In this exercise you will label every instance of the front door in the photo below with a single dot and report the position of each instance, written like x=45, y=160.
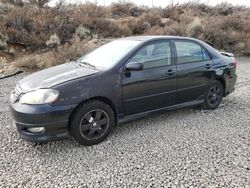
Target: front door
x=154, y=86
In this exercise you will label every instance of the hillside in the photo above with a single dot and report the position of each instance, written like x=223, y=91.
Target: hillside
x=34, y=36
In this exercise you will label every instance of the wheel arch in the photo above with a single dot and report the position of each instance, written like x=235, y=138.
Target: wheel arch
x=223, y=82
x=99, y=98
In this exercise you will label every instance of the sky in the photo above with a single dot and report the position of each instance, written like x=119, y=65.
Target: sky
x=160, y=3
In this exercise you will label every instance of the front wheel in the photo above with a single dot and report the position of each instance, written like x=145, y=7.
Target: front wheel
x=92, y=122
x=214, y=95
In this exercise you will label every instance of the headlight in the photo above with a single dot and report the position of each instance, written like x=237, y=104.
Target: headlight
x=40, y=96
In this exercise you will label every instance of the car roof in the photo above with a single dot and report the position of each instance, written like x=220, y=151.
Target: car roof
x=147, y=38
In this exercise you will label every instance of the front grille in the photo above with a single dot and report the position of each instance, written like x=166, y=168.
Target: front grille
x=16, y=93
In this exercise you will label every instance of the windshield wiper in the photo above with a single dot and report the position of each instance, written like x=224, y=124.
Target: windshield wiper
x=87, y=64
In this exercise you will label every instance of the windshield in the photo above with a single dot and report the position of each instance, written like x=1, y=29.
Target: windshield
x=109, y=54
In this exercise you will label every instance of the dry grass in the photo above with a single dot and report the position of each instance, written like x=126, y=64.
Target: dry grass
x=224, y=26
x=67, y=52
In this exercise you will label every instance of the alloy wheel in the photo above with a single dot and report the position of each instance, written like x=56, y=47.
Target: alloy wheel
x=214, y=95
x=94, y=124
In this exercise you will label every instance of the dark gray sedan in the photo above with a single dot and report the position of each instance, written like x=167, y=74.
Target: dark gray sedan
x=123, y=80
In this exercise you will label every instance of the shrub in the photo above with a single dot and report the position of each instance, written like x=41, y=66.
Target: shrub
x=246, y=51
x=5, y=7
x=230, y=22
x=144, y=22
x=135, y=11
x=18, y=20
x=54, y=41
x=194, y=29
x=222, y=39
x=14, y=2
x=224, y=9
x=83, y=33
x=91, y=10
x=108, y=28
x=3, y=43
x=34, y=26
x=65, y=53
x=30, y=63
x=121, y=9
x=39, y=3
x=173, y=12
x=176, y=29
x=138, y=26
x=30, y=41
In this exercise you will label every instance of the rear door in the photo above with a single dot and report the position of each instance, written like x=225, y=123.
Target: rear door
x=194, y=67
x=153, y=87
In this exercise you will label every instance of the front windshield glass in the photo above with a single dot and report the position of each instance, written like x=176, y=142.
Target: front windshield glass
x=109, y=54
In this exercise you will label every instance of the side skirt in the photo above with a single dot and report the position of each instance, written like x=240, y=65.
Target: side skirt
x=124, y=119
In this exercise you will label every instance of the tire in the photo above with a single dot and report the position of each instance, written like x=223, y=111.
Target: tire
x=214, y=95
x=92, y=122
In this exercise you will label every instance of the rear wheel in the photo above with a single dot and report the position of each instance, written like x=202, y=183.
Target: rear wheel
x=214, y=95
x=92, y=122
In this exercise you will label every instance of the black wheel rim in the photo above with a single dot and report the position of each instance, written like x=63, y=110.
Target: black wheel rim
x=214, y=95
x=94, y=124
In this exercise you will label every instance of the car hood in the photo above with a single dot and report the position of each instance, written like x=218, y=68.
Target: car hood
x=55, y=75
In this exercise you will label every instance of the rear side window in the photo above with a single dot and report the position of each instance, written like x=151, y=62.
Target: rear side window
x=206, y=56
x=154, y=55
x=190, y=52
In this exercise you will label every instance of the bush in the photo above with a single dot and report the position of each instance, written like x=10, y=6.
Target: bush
x=3, y=43
x=220, y=38
x=31, y=41
x=224, y=9
x=144, y=22
x=30, y=63
x=121, y=9
x=18, y=20
x=108, y=28
x=194, y=29
x=135, y=11
x=14, y=2
x=246, y=48
x=54, y=41
x=83, y=33
x=5, y=7
x=40, y=3
x=172, y=12
x=65, y=53
x=33, y=27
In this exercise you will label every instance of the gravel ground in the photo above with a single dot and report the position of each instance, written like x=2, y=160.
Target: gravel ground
x=183, y=148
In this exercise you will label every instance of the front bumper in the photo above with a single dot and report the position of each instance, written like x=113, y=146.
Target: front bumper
x=53, y=118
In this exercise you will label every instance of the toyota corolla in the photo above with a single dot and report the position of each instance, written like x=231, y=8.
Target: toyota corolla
x=123, y=80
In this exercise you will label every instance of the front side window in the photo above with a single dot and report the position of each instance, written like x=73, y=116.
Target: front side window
x=154, y=55
x=190, y=52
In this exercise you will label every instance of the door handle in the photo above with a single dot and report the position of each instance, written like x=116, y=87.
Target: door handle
x=170, y=72
x=208, y=66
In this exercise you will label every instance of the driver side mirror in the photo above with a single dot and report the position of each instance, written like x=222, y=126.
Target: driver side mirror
x=134, y=66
